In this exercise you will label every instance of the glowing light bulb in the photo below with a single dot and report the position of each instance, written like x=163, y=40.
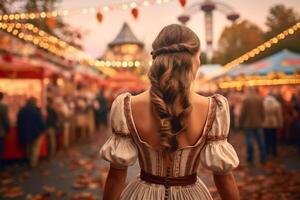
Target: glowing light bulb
x=15, y=32
x=137, y=63
x=133, y=5
x=274, y=40
x=107, y=63
x=31, y=15
x=54, y=14
x=125, y=6
x=65, y=12
x=11, y=17
x=21, y=35
x=35, y=30
x=118, y=64
x=36, y=41
x=281, y=36
x=18, y=25
x=124, y=64
x=84, y=11
x=105, y=8
x=291, y=31
x=30, y=26
x=267, y=44
x=262, y=47
x=43, y=14
x=41, y=33
x=17, y=16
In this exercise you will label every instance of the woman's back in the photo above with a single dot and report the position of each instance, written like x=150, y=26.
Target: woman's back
x=169, y=129
x=147, y=124
x=209, y=147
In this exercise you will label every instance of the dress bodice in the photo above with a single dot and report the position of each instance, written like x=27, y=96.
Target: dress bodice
x=212, y=150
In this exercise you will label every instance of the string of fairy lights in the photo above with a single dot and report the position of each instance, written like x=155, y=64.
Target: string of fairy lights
x=250, y=54
x=76, y=11
x=268, y=44
x=13, y=24
x=30, y=33
x=294, y=79
x=260, y=82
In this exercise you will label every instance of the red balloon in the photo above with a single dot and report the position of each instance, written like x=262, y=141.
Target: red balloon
x=182, y=2
x=99, y=17
x=135, y=13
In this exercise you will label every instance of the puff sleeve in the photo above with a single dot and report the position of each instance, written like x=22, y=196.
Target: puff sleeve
x=119, y=149
x=218, y=154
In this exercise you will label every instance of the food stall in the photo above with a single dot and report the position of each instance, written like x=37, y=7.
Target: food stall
x=21, y=78
x=279, y=69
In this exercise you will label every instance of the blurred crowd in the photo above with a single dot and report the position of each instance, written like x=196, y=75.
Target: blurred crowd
x=64, y=119
x=267, y=117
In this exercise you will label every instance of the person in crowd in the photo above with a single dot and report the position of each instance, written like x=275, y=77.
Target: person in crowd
x=251, y=121
x=31, y=125
x=273, y=121
x=72, y=118
x=4, y=127
x=289, y=120
x=102, y=112
x=170, y=129
x=63, y=114
x=81, y=117
x=231, y=101
x=90, y=117
x=52, y=124
x=297, y=124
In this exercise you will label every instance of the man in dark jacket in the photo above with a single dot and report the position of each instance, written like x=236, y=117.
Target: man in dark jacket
x=101, y=112
x=4, y=127
x=30, y=127
x=251, y=120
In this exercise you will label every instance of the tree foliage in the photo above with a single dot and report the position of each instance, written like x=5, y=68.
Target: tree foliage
x=244, y=36
x=279, y=19
x=236, y=40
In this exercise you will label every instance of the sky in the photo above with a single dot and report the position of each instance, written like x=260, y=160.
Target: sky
x=153, y=18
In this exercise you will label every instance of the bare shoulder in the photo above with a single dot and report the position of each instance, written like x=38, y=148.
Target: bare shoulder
x=200, y=100
x=140, y=101
x=142, y=97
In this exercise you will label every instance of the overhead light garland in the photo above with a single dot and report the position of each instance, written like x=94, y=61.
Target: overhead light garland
x=30, y=33
x=295, y=79
x=257, y=50
x=260, y=82
x=268, y=44
x=66, y=12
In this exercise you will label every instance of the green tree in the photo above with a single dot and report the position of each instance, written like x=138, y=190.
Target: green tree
x=279, y=19
x=236, y=40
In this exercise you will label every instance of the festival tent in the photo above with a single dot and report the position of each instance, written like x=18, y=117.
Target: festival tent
x=127, y=81
x=26, y=68
x=209, y=71
x=238, y=70
x=285, y=61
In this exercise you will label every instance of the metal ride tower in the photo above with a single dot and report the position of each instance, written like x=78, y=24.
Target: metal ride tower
x=208, y=7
